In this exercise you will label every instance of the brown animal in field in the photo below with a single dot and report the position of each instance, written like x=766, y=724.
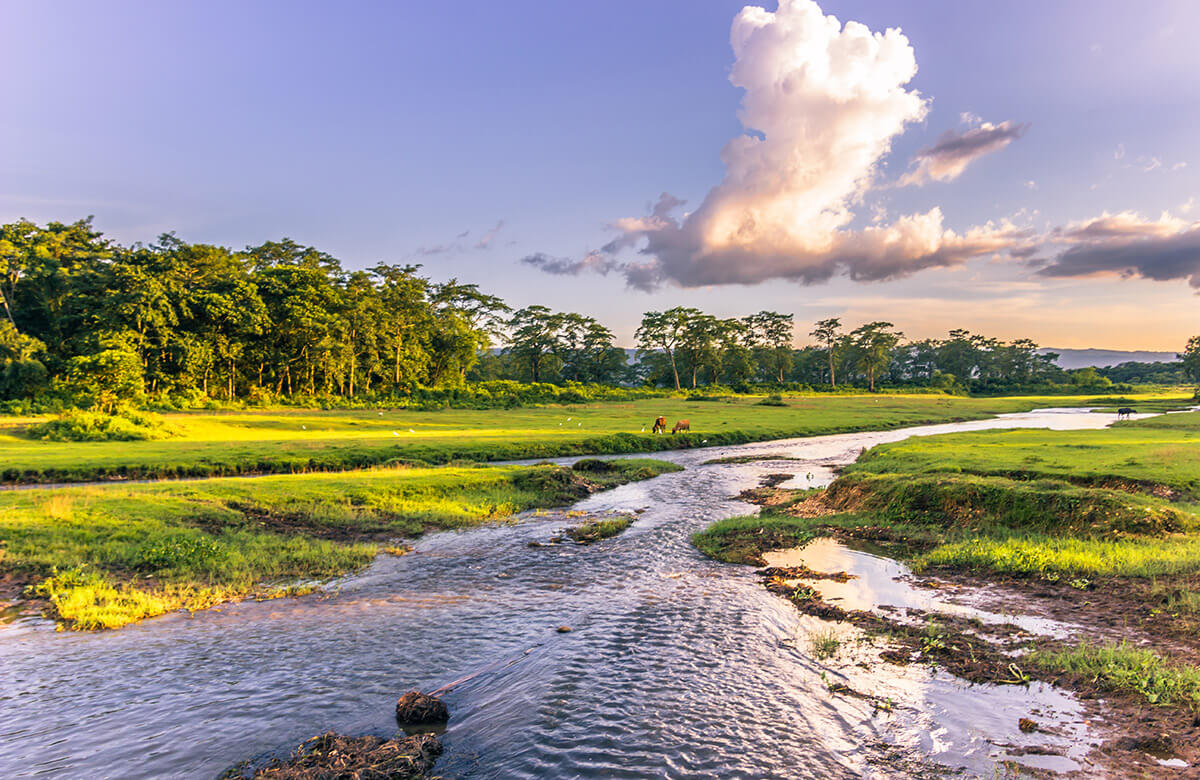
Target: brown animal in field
x=660, y=425
x=1124, y=412
x=682, y=425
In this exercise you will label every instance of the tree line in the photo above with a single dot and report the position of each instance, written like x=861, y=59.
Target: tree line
x=90, y=319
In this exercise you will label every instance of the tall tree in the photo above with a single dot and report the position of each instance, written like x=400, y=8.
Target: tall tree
x=534, y=335
x=873, y=345
x=662, y=331
x=829, y=332
x=1191, y=359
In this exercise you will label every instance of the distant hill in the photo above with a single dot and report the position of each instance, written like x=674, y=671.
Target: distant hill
x=1100, y=358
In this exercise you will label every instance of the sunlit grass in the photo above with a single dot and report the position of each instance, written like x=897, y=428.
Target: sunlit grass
x=1161, y=450
x=105, y=556
x=297, y=440
x=1047, y=555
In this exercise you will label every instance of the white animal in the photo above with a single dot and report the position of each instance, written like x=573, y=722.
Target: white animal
x=395, y=434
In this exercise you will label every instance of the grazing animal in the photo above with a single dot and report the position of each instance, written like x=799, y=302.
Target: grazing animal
x=1124, y=412
x=660, y=425
x=682, y=425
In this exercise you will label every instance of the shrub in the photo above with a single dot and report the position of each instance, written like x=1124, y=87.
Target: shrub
x=78, y=425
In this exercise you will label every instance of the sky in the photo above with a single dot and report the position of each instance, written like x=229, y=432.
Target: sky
x=1019, y=169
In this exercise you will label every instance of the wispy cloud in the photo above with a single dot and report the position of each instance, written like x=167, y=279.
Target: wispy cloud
x=954, y=151
x=486, y=241
x=565, y=266
x=456, y=246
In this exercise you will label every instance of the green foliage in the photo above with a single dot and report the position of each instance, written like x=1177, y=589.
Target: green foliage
x=1191, y=359
x=123, y=425
x=1123, y=668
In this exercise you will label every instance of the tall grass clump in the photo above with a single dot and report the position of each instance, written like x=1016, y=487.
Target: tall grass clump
x=80, y=425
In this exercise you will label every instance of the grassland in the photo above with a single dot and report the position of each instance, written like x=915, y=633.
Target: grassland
x=295, y=441
x=105, y=556
x=1116, y=502
x=1100, y=528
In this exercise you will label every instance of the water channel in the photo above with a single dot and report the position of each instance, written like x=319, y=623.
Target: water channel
x=677, y=666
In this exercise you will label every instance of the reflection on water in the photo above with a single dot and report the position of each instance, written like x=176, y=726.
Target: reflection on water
x=677, y=666
x=877, y=581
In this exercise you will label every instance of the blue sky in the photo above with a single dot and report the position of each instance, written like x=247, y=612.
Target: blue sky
x=387, y=131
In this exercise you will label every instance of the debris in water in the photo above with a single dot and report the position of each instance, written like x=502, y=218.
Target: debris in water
x=416, y=708
x=1027, y=725
x=564, y=629
x=363, y=758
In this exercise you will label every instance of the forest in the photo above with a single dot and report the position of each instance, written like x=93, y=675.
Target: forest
x=89, y=322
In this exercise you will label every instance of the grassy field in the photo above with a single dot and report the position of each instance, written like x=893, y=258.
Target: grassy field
x=1116, y=502
x=1102, y=525
x=106, y=556
x=288, y=441
x=1156, y=451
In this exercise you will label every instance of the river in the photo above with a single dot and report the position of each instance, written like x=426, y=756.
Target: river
x=677, y=666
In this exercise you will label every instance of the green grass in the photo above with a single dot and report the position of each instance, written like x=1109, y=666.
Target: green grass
x=1157, y=451
x=1051, y=557
x=105, y=556
x=825, y=644
x=743, y=539
x=1052, y=504
x=1126, y=669
x=596, y=530
x=287, y=441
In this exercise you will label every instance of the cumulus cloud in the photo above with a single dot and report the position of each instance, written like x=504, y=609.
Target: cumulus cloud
x=822, y=104
x=1128, y=245
x=954, y=151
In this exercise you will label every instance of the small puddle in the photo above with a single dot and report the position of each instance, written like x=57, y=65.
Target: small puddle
x=878, y=582
x=957, y=723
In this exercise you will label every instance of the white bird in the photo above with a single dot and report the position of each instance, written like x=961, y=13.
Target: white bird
x=643, y=429
x=381, y=414
x=410, y=430
x=395, y=434
x=580, y=425
x=304, y=427
x=568, y=419
x=704, y=442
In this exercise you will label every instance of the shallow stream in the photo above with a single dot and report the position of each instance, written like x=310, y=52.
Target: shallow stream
x=677, y=666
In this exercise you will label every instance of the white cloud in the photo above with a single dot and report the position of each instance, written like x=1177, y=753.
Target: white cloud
x=822, y=104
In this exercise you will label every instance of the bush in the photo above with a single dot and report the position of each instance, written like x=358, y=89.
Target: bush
x=78, y=425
